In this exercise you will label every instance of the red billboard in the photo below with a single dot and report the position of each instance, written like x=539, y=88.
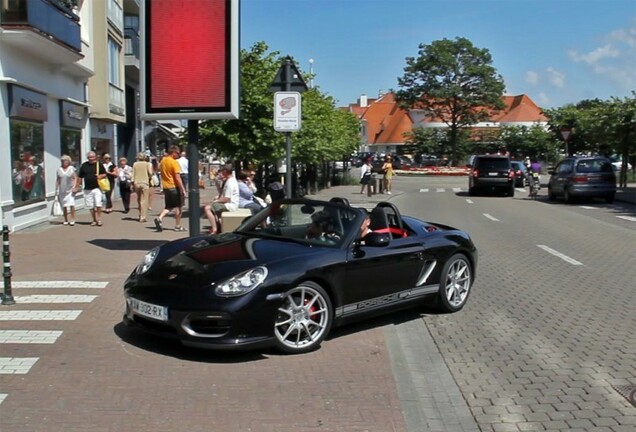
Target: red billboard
x=189, y=59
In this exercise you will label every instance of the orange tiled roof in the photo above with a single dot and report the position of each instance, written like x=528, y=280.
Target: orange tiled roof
x=386, y=122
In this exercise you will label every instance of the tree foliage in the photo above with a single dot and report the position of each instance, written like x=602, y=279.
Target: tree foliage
x=452, y=81
x=326, y=133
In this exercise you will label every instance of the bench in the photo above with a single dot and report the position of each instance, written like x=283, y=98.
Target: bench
x=230, y=220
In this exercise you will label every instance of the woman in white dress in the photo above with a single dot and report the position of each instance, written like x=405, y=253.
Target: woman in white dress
x=66, y=176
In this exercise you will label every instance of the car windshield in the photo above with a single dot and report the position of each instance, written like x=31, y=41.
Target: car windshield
x=310, y=222
x=593, y=166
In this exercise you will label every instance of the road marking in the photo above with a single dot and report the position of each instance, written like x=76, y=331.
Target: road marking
x=587, y=207
x=469, y=201
x=16, y=365
x=560, y=255
x=629, y=218
x=58, y=284
x=423, y=190
x=457, y=190
x=441, y=190
x=39, y=315
x=492, y=218
x=520, y=189
x=45, y=298
x=29, y=336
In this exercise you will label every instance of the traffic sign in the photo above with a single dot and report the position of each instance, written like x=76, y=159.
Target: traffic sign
x=288, y=79
x=565, y=133
x=287, y=111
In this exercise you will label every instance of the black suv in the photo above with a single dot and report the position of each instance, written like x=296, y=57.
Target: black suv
x=490, y=172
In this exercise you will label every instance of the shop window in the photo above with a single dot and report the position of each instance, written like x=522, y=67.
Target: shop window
x=27, y=151
x=71, y=145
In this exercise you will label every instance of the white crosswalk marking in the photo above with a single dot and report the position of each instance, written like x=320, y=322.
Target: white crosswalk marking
x=441, y=190
x=45, y=298
x=492, y=218
x=29, y=336
x=58, y=284
x=469, y=201
x=16, y=365
x=629, y=218
x=39, y=315
x=456, y=190
x=22, y=365
x=423, y=190
x=587, y=207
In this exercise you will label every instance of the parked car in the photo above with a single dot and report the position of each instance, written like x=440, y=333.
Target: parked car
x=521, y=173
x=617, y=164
x=272, y=283
x=489, y=173
x=399, y=162
x=583, y=177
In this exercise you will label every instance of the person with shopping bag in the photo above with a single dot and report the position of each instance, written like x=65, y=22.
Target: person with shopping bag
x=92, y=172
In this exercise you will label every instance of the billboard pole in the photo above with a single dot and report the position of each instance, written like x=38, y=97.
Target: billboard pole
x=194, y=207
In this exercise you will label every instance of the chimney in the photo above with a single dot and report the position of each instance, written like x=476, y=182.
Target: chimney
x=362, y=101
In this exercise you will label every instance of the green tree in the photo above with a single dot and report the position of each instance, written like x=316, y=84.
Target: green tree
x=454, y=82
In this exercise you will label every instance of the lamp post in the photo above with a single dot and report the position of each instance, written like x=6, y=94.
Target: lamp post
x=311, y=73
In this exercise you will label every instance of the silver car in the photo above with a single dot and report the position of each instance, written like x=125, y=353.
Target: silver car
x=583, y=177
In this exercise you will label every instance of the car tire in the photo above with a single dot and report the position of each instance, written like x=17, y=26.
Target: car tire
x=609, y=198
x=472, y=191
x=304, y=319
x=567, y=197
x=511, y=191
x=551, y=195
x=455, y=283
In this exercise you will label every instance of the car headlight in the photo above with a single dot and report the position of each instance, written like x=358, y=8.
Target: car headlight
x=147, y=261
x=242, y=283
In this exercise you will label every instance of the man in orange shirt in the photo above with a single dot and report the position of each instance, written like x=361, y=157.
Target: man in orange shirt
x=173, y=190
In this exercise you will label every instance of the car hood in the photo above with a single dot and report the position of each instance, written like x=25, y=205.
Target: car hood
x=204, y=258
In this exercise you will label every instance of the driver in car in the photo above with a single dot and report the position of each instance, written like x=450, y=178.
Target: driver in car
x=322, y=228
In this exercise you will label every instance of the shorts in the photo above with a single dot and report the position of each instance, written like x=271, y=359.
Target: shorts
x=172, y=198
x=218, y=208
x=93, y=198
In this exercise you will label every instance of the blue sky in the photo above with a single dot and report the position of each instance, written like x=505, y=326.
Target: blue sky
x=555, y=51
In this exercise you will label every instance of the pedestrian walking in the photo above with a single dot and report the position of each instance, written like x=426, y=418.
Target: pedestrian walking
x=64, y=187
x=141, y=175
x=365, y=176
x=388, y=173
x=173, y=190
x=124, y=177
x=90, y=172
x=111, y=175
x=183, y=166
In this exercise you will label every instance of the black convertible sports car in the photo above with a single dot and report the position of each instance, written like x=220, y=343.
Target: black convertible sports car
x=292, y=272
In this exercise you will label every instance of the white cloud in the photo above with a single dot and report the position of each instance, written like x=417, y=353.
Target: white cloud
x=532, y=77
x=594, y=56
x=555, y=77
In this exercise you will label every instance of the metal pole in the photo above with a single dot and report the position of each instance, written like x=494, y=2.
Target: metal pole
x=288, y=172
x=193, y=177
x=7, y=297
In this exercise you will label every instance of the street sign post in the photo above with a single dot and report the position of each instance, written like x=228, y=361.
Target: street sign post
x=566, y=133
x=288, y=80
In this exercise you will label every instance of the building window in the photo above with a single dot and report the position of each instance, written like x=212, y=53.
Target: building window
x=114, y=66
x=71, y=145
x=27, y=150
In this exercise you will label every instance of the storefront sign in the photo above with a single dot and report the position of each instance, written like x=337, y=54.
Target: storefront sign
x=72, y=115
x=101, y=130
x=27, y=104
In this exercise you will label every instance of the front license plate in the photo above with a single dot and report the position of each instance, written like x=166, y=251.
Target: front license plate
x=148, y=309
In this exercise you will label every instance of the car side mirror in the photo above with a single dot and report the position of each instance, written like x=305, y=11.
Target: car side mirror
x=376, y=239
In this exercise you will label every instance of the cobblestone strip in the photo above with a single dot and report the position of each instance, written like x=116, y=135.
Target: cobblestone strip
x=29, y=336
x=58, y=284
x=45, y=298
x=39, y=315
x=430, y=398
x=16, y=365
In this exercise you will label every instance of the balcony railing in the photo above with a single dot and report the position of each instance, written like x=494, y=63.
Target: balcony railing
x=116, y=100
x=131, y=43
x=47, y=16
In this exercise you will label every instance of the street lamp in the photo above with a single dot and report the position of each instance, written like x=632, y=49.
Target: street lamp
x=311, y=73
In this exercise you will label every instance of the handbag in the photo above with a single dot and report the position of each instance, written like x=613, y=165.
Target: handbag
x=57, y=207
x=103, y=183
